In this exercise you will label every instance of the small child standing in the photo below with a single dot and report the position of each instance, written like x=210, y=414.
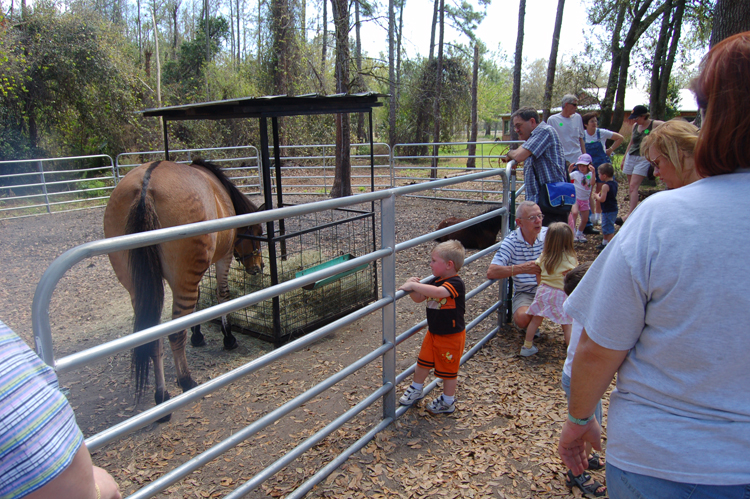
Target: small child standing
x=582, y=178
x=557, y=258
x=608, y=198
x=583, y=481
x=445, y=338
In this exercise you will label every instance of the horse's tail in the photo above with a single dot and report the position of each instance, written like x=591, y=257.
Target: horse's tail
x=146, y=277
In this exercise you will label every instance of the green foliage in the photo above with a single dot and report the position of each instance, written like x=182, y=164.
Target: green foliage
x=68, y=92
x=186, y=72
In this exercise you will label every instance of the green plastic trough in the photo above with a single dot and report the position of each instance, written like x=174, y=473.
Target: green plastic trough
x=325, y=265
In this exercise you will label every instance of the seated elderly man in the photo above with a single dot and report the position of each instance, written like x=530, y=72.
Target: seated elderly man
x=516, y=257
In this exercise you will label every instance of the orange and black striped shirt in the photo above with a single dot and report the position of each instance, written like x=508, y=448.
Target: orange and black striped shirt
x=446, y=316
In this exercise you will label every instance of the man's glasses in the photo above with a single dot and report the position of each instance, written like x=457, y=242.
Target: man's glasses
x=534, y=217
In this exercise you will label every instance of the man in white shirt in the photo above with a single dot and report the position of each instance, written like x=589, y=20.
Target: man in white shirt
x=517, y=258
x=569, y=127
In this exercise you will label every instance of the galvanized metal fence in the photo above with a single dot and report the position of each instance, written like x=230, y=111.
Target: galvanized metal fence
x=386, y=304
x=36, y=186
x=40, y=186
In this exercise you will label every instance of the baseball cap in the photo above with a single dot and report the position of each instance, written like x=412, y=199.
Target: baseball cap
x=638, y=111
x=584, y=159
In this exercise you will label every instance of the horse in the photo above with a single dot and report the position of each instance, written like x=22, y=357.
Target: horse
x=165, y=194
x=479, y=236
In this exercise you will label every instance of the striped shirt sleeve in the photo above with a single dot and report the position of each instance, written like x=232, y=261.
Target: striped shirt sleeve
x=38, y=433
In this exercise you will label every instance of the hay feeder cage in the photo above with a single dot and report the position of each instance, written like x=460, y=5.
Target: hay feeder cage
x=300, y=245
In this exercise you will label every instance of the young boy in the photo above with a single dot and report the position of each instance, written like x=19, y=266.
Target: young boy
x=584, y=480
x=444, y=340
x=608, y=198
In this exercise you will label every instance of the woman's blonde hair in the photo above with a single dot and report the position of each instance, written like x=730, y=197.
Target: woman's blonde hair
x=557, y=243
x=676, y=140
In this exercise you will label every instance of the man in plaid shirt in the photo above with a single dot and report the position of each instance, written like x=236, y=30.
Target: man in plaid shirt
x=542, y=154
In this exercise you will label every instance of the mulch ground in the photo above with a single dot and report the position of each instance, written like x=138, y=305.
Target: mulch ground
x=500, y=442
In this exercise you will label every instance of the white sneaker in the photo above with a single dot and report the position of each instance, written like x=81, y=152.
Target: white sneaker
x=410, y=396
x=528, y=352
x=580, y=238
x=439, y=406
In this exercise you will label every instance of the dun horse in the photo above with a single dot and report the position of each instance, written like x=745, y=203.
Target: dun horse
x=479, y=236
x=164, y=194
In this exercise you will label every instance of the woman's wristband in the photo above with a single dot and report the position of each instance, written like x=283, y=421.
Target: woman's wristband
x=580, y=422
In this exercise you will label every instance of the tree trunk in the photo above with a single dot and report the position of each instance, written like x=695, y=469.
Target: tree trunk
x=391, y=76
x=471, y=162
x=281, y=57
x=432, y=31
x=239, y=42
x=669, y=63
x=360, y=80
x=438, y=91
x=637, y=27
x=515, y=99
x=325, y=40
x=342, y=182
x=398, y=48
x=605, y=118
x=552, y=60
x=657, y=104
x=730, y=17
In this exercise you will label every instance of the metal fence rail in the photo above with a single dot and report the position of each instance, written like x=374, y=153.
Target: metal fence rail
x=35, y=186
x=386, y=351
x=306, y=170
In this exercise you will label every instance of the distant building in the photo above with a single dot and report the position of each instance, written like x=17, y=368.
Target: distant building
x=589, y=99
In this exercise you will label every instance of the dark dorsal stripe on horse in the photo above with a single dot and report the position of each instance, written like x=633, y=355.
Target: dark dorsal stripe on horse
x=242, y=205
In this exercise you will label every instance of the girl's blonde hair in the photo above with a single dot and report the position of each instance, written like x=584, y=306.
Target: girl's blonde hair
x=557, y=243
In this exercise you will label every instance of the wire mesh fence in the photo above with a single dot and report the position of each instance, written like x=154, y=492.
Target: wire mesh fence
x=304, y=244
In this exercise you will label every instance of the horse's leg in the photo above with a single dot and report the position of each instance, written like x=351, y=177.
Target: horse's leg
x=222, y=293
x=197, y=339
x=178, y=342
x=160, y=393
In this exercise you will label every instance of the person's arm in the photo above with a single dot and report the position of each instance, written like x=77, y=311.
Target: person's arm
x=518, y=154
x=426, y=290
x=409, y=287
x=79, y=481
x=617, y=141
x=501, y=271
x=583, y=145
x=601, y=196
x=593, y=369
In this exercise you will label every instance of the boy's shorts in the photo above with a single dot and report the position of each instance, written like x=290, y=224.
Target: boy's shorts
x=583, y=204
x=442, y=352
x=608, y=222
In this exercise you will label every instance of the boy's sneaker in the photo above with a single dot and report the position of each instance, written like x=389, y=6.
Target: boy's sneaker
x=601, y=247
x=528, y=352
x=410, y=396
x=439, y=406
x=580, y=238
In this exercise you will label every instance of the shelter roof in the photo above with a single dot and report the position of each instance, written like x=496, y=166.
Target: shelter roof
x=270, y=105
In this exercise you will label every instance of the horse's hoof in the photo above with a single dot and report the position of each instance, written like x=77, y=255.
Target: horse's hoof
x=198, y=342
x=230, y=343
x=187, y=384
x=165, y=419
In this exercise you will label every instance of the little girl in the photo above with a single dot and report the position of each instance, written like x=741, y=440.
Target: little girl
x=582, y=178
x=558, y=257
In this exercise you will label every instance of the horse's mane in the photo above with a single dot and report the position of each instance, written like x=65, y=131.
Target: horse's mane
x=241, y=203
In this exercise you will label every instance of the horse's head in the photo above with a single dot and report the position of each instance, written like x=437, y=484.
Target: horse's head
x=247, y=251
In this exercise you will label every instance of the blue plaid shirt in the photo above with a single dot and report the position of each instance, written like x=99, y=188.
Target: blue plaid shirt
x=546, y=163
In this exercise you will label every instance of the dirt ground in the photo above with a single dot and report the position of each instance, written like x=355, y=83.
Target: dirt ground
x=499, y=443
